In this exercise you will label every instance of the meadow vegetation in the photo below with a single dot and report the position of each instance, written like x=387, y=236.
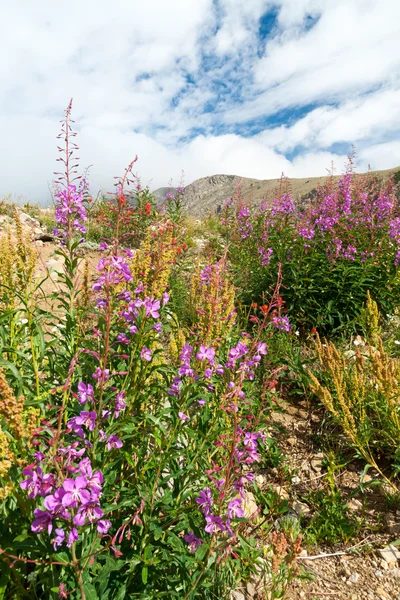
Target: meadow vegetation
x=135, y=404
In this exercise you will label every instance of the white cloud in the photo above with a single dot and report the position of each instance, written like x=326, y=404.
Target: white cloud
x=146, y=75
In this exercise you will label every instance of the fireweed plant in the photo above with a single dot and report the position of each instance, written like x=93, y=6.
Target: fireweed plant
x=332, y=250
x=134, y=479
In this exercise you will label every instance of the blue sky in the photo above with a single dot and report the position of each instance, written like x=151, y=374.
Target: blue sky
x=252, y=88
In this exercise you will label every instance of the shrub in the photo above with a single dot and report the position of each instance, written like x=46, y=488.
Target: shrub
x=331, y=252
x=361, y=391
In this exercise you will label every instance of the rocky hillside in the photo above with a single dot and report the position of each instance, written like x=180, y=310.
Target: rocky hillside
x=206, y=194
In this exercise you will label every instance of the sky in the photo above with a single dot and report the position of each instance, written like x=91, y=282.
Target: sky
x=246, y=87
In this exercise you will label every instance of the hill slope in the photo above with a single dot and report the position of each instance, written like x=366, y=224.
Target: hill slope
x=207, y=193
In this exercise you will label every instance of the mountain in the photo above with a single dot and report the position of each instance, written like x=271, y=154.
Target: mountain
x=208, y=193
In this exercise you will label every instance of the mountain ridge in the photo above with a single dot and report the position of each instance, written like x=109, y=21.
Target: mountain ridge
x=208, y=193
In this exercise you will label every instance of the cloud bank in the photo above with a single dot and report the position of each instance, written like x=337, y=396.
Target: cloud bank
x=209, y=86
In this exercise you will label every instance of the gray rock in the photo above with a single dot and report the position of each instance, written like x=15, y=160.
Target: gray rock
x=236, y=595
x=390, y=554
x=301, y=508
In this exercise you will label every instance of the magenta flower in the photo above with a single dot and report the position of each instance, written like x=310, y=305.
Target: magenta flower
x=165, y=298
x=76, y=492
x=89, y=512
x=214, y=524
x=183, y=416
x=152, y=307
x=193, y=541
x=281, y=323
x=37, y=483
x=205, y=353
x=114, y=442
x=101, y=374
x=59, y=539
x=119, y=404
x=85, y=393
x=204, y=500
x=235, y=508
x=103, y=526
x=53, y=502
x=72, y=537
x=146, y=354
x=42, y=521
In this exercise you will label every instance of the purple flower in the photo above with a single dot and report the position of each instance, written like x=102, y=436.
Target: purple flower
x=119, y=404
x=94, y=480
x=53, y=502
x=101, y=374
x=85, y=393
x=204, y=500
x=235, y=508
x=43, y=521
x=59, y=539
x=202, y=402
x=72, y=537
x=157, y=327
x=146, y=354
x=183, y=417
x=84, y=419
x=76, y=492
x=262, y=348
x=37, y=483
x=206, y=354
x=193, y=541
x=114, y=442
x=165, y=298
x=89, y=512
x=152, y=307
x=214, y=524
x=103, y=526
x=281, y=323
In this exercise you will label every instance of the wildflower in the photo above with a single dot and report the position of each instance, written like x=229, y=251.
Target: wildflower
x=206, y=354
x=204, y=500
x=165, y=298
x=152, y=308
x=42, y=521
x=193, y=541
x=53, y=502
x=85, y=393
x=146, y=354
x=76, y=492
x=183, y=416
x=72, y=537
x=101, y=374
x=235, y=508
x=281, y=323
x=103, y=526
x=59, y=539
x=89, y=512
x=214, y=524
x=114, y=442
x=119, y=404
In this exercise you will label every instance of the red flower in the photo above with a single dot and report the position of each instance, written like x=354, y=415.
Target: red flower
x=147, y=208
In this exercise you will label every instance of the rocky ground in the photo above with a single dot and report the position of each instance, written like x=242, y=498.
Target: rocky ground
x=365, y=567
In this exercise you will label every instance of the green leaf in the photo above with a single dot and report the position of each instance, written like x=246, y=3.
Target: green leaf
x=145, y=574
x=90, y=591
